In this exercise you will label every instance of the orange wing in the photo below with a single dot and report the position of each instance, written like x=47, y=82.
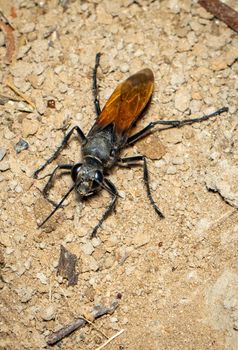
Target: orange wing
x=127, y=102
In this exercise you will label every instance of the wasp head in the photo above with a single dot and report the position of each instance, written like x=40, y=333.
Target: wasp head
x=88, y=177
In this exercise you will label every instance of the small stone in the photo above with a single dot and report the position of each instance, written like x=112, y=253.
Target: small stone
x=102, y=16
x=48, y=313
x=40, y=105
x=27, y=28
x=29, y=127
x=63, y=88
x=182, y=99
x=174, y=6
x=141, y=239
x=223, y=61
x=87, y=248
x=74, y=59
x=21, y=145
x=21, y=69
x=178, y=161
x=4, y=166
x=25, y=293
x=23, y=51
x=90, y=264
x=5, y=239
x=96, y=242
x=124, y=68
x=8, y=134
x=9, y=251
x=3, y=151
x=42, y=277
x=171, y=170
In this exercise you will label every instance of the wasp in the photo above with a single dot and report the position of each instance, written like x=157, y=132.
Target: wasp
x=110, y=133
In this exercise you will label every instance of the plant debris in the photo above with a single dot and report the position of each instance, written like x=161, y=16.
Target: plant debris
x=96, y=312
x=67, y=266
x=222, y=11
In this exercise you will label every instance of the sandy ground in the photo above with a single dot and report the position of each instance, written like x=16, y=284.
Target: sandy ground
x=177, y=277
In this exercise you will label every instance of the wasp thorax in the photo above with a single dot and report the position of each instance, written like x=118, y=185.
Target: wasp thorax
x=88, y=177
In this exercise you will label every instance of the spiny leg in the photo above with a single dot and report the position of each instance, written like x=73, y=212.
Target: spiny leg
x=49, y=183
x=110, y=187
x=134, y=159
x=173, y=124
x=95, y=85
x=58, y=206
x=60, y=148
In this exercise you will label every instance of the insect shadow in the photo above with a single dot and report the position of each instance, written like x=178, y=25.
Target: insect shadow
x=110, y=133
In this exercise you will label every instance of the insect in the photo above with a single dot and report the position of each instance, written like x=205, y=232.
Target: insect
x=110, y=133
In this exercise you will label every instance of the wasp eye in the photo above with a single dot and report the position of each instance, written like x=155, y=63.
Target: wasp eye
x=75, y=171
x=98, y=176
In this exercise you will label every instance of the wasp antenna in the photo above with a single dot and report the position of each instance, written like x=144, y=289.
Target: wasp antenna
x=57, y=207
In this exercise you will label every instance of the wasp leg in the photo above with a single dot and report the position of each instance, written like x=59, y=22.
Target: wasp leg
x=49, y=183
x=172, y=124
x=134, y=159
x=110, y=187
x=57, y=206
x=59, y=149
x=95, y=85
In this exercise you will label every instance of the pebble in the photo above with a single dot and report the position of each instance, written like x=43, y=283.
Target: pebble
x=8, y=135
x=87, y=248
x=48, y=313
x=182, y=99
x=74, y=59
x=177, y=79
x=40, y=105
x=3, y=152
x=42, y=277
x=223, y=61
x=27, y=28
x=21, y=145
x=124, y=68
x=9, y=250
x=141, y=238
x=177, y=161
x=92, y=264
x=96, y=242
x=23, y=51
x=25, y=293
x=5, y=239
x=63, y=88
x=4, y=166
x=171, y=170
x=29, y=127
x=21, y=69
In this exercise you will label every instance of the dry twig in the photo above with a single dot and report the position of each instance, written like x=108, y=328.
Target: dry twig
x=19, y=93
x=222, y=11
x=97, y=312
x=10, y=41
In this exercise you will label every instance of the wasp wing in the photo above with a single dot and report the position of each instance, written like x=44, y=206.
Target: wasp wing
x=126, y=102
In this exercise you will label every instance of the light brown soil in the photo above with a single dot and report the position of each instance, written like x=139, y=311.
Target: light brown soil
x=177, y=276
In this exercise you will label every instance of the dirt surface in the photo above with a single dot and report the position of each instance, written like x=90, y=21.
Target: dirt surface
x=175, y=279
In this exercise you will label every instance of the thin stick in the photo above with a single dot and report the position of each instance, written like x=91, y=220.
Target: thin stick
x=97, y=312
x=19, y=93
x=10, y=41
x=222, y=11
x=110, y=339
